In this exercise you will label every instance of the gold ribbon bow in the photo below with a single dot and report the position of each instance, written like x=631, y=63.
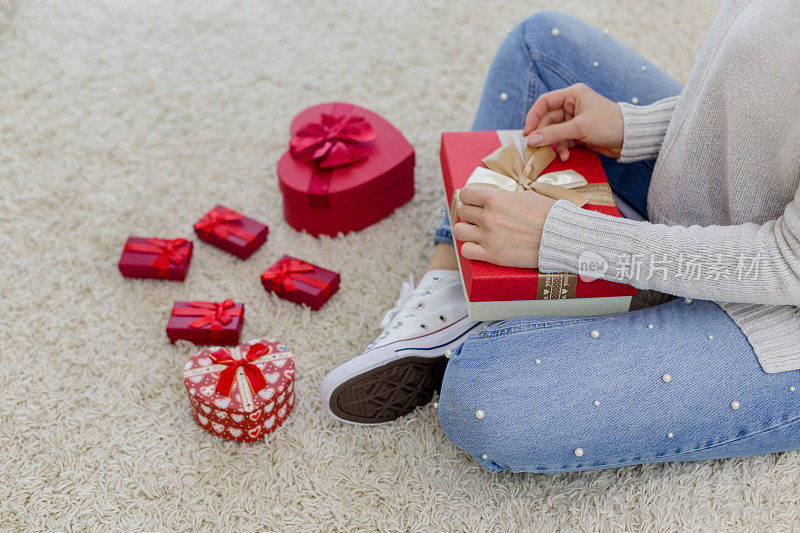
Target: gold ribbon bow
x=515, y=166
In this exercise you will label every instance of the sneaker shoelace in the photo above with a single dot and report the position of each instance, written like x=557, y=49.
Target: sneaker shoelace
x=407, y=293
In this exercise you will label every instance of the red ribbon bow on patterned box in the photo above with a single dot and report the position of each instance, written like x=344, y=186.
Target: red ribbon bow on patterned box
x=285, y=272
x=217, y=314
x=222, y=224
x=254, y=375
x=168, y=250
x=334, y=141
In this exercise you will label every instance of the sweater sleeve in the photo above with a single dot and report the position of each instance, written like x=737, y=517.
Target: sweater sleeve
x=645, y=128
x=748, y=263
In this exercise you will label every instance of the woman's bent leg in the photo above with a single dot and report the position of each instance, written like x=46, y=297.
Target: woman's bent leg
x=676, y=382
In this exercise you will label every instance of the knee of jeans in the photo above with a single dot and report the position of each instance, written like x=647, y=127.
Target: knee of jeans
x=469, y=397
x=483, y=411
x=537, y=29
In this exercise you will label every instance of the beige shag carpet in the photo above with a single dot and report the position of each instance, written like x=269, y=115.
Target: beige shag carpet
x=122, y=117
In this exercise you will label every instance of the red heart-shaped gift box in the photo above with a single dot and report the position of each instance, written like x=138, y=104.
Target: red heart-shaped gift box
x=347, y=168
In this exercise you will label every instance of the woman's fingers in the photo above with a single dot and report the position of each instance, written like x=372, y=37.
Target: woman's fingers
x=470, y=213
x=474, y=195
x=558, y=99
x=474, y=251
x=554, y=133
x=557, y=116
x=553, y=117
x=562, y=149
x=467, y=232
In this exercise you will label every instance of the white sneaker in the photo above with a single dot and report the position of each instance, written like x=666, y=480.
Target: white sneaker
x=402, y=368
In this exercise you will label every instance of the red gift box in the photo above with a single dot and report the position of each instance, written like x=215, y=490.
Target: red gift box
x=206, y=322
x=495, y=292
x=300, y=282
x=231, y=231
x=156, y=258
x=346, y=169
x=241, y=394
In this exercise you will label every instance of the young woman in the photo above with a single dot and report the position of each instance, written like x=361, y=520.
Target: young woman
x=713, y=168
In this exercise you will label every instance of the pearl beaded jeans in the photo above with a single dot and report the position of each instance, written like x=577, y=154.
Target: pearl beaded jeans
x=675, y=382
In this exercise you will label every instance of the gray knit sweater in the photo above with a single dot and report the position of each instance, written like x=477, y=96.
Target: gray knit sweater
x=724, y=205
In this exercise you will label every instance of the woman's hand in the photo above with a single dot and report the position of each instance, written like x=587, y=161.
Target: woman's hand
x=575, y=115
x=501, y=227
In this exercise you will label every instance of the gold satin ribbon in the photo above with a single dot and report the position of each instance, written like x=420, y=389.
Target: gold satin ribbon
x=515, y=166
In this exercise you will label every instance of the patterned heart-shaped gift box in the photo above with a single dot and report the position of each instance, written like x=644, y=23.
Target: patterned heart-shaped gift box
x=241, y=393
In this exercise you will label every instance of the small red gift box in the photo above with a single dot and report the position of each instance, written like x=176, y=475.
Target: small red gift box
x=300, y=282
x=206, y=322
x=231, y=231
x=346, y=169
x=156, y=258
x=241, y=394
x=495, y=292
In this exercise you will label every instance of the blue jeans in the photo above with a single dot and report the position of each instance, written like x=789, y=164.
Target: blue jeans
x=675, y=382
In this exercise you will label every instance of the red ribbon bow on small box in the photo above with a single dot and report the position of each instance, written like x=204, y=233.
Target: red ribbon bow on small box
x=333, y=142
x=217, y=314
x=168, y=250
x=221, y=223
x=254, y=375
x=286, y=271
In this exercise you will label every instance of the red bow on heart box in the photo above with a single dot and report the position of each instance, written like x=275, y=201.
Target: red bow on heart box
x=217, y=322
x=300, y=282
x=241, y=393
x=252, y=374
x=334, y=141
